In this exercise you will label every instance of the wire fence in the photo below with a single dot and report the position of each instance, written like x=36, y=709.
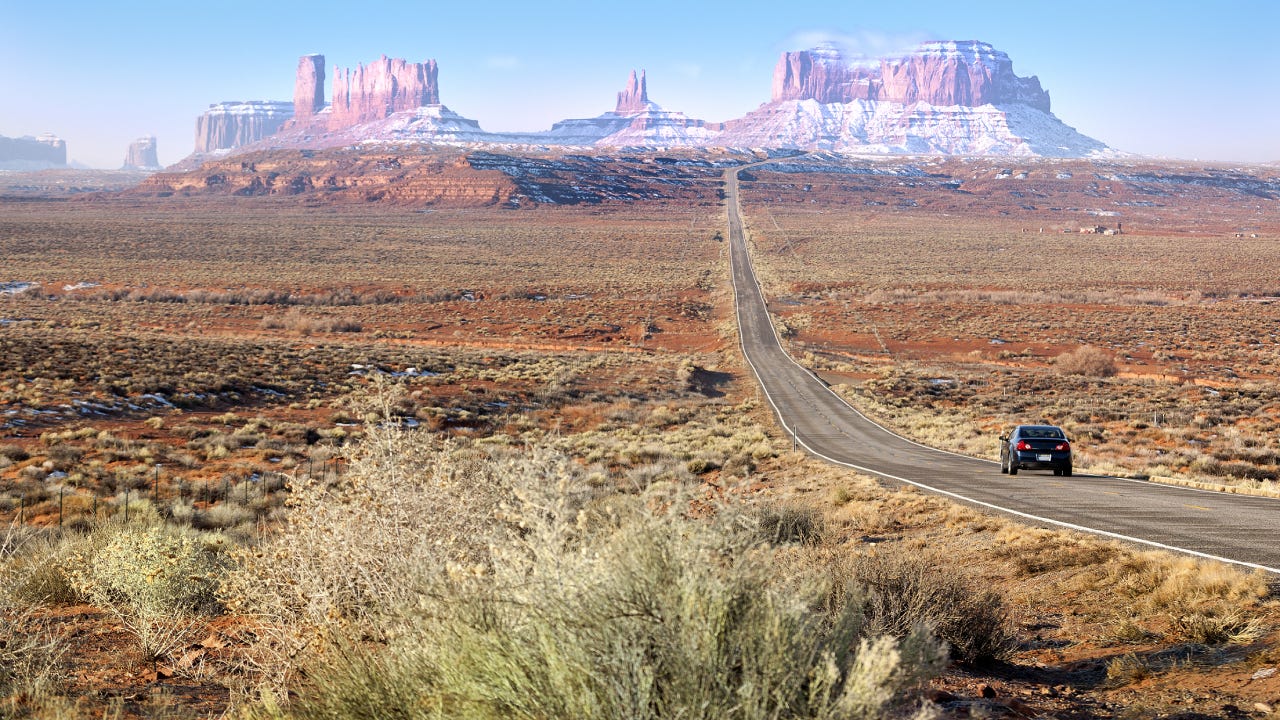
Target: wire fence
x=57, y=505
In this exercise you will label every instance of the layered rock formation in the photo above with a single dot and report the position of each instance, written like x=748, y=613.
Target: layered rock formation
x=228, y=125
x=968, y=73
x=308, y=88
x=385, y=86
x=635, y=121
x=27, y=152
x=948, y=98
x=942, y=98
x=635, y=97
x=141, y=155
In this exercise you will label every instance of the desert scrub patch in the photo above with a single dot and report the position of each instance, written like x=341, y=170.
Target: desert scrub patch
x=39, y=571
x=158, y=580
x=650, y=614
x=1036, y=551
x=1086, y=360
x=542, y=594
x=32, y=662
x=908, y=591
x=790, y=523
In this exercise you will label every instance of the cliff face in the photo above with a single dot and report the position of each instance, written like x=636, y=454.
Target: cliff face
x=954, y=97
x=966, y=73
x=45, y=150
x=385, y=86
x=231, y=124
x=141, y=155
x=308, y=87
x=635, y=98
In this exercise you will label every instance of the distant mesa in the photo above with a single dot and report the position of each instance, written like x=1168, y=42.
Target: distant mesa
x=142, y=155
x=235, y=123
x=943, y=98
x=968, y=73
x=33, y=153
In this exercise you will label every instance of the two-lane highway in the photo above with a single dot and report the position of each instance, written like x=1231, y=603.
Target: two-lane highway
x=1238, y=529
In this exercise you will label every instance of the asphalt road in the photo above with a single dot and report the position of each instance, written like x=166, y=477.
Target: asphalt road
x=1238, y=529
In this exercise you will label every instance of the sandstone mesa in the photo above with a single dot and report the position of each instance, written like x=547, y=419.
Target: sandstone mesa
x=945, y=97
x=142, y=155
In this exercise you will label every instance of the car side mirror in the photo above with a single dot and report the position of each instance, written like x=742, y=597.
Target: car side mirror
x=1004, y=438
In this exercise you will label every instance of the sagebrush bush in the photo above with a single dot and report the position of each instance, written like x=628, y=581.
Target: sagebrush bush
x=156, y=579
x=904, y=592
x=790, y=523
x=537, y=595
x=646, y=615
x=1086, y=360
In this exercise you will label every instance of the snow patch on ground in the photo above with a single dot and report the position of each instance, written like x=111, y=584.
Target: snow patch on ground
x=13, y=288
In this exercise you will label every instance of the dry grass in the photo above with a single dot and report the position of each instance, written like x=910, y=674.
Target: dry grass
x=928, y=298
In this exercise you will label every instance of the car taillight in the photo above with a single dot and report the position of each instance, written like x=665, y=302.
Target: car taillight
x=1062, y=446
x=1022, y=445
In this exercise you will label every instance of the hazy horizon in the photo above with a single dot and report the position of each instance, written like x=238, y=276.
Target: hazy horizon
x=1180, y=80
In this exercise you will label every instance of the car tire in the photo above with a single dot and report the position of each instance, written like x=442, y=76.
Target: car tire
x=1004, y=467
x=1013, y=467
x=1057, y=472
x=1066, y=471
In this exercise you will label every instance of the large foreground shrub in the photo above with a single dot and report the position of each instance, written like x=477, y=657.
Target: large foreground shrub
x=439, y=580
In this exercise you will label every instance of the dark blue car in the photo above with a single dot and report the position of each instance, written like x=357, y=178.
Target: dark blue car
x=1036, y=447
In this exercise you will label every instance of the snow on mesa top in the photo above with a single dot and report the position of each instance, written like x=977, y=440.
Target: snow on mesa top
x=969, y=73
x=942, y=98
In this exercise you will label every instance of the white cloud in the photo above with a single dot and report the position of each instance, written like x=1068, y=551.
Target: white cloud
x=860, y=44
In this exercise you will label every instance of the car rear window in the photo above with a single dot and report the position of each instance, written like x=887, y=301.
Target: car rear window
x=1042, y=432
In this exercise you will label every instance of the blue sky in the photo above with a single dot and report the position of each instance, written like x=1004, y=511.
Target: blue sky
x=1173, y=78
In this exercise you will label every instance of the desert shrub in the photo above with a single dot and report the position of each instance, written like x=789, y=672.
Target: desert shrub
x=651, y=615
x=39, y=574
x=536, y=595
x=1128, y=669
x=16, y=453
x=31, y=654
x=64, y=457
x=362, y=545
x=223, y=516
x=31, y=663
x=156, y=579
x=905, y=592
x=1086, y=360
x=1215, y=626
x=790, y=524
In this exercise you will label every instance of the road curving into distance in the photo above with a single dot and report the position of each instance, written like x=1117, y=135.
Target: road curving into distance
x=1238, y=529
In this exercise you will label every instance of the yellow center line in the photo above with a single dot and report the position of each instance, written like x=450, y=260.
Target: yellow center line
x=1108, y=492
x=1197, y=507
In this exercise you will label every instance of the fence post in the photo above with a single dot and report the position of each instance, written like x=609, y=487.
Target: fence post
x=60, y=492
x=126, y=505
x=22, y=509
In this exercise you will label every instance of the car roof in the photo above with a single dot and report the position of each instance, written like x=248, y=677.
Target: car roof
x=1040, y=430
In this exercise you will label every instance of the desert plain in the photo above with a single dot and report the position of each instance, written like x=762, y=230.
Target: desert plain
x=311, y=399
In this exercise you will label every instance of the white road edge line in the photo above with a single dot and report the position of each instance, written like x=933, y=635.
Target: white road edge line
x=737, y=311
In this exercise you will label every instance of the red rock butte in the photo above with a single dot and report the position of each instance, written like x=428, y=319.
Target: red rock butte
x=967, y=73
x=635, y=98
x=308, y=87
x=385, y=86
